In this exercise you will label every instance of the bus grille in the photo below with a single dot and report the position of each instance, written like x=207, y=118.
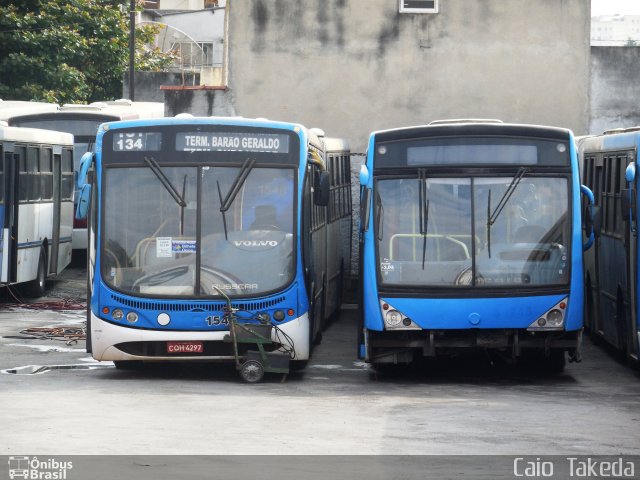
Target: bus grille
x=195, y=307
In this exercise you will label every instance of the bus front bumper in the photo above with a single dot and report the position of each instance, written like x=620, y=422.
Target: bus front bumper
x=401, y=346
x=114, y=342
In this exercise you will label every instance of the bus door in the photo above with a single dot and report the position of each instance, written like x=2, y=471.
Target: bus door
x=9, y=215
x=598, y=179
x=57, y=199
x=631, y=237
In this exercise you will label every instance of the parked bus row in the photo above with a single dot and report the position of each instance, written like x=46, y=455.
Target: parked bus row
x=229, y=239
x=470, y=237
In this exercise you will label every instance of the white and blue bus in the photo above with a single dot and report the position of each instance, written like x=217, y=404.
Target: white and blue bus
x=609, y=163
x=471, y=239
x=36, y=206
x=185, y=209
x=82, y=122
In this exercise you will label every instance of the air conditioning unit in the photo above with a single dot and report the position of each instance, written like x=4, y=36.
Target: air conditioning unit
x=418, y=6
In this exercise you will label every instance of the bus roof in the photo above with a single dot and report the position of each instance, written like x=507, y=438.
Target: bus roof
x=35, y=135
x=611, y=140
x=101, y=111
x=336, y=144
x=12, y=108
x=330, y=143
x=472, y=128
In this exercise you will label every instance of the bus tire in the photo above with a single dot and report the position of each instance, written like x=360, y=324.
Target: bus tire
x=36, y=287
x=298, y=365
x=627, y=346
x=555, y=362
x=127, y=364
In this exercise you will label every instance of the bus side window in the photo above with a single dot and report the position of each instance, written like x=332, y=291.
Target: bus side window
x=46, y=173
x=20, y=157
x=33, y=174
x=66, y=166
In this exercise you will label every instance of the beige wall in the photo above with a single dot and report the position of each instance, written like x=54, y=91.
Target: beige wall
x=354, y=66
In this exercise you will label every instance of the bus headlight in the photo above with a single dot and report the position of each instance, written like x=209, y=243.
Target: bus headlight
x=552, y=319
x=132, y=317
x=393, y=318
x=117, y=314
x=396, y=320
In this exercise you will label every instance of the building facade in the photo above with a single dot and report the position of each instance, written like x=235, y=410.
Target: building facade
x=354, y=66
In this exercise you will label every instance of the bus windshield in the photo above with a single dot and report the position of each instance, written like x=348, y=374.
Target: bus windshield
x=165, y=234
x=502, y=231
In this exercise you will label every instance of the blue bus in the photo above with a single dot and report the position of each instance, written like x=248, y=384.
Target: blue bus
x=609, y=163
x=471, y=239
x=187, y=211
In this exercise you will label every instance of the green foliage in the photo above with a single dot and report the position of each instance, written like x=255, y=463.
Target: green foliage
x=69, y=50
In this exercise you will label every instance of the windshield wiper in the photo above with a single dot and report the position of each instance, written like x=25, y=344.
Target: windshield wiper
x=492, y=217
x=166, y=183
x=237, y=184
x=224, y=212
x=424, y=212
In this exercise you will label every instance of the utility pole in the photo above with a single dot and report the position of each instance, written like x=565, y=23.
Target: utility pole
x=132, y=48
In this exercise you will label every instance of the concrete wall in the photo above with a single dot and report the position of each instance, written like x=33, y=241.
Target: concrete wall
x=147, y=84
x=615, y=88
x=200, y=103
x=353, y=66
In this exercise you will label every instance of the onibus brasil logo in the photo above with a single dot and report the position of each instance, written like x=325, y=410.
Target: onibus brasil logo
x=33, y=468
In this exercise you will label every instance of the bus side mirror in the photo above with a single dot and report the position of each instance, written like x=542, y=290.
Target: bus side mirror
x=589, y=217
x=365, y=208
x=321, y=189
x=85, y=164
x=83, y=202
x=364, y=175
x=630, y=172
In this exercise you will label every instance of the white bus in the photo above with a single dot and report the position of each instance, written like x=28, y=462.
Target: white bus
x=12, y=108
x=36, y=206
x=82, y=121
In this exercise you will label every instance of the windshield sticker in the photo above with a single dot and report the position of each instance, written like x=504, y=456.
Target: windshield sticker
x=183, y=246
x=163, y=247
x=386, y=266
x=235, y=286
x=230, y=142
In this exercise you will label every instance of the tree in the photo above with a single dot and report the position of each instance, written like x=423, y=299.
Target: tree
x=69, y=50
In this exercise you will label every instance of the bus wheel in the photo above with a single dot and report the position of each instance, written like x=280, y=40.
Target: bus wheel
x=555, y=362
x=626, y=336
x=36, y=287
x=252, y=371
x=127, y=364
x=298, y=365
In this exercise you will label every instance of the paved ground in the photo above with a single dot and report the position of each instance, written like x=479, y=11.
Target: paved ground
x=337, y=406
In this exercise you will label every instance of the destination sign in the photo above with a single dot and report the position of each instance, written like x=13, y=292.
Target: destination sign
x=137, y=141
x=232, y=142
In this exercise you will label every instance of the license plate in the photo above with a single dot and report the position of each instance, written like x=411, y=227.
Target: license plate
x=184, y=347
